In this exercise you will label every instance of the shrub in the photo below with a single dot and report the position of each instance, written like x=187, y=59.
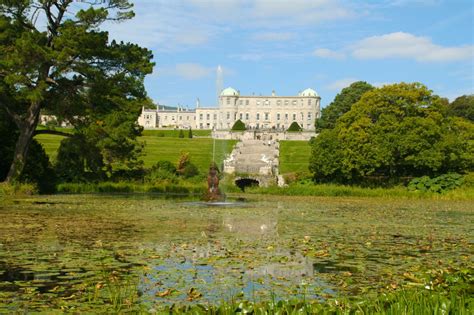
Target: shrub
x=18, y=189
x=239, y=126
x=294, y=127
x=162, y=170
x=190, y=133
x=181, y=133
x=438, y=184
x=185, y=168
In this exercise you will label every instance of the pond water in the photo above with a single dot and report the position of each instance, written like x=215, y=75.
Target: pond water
x=74, y=252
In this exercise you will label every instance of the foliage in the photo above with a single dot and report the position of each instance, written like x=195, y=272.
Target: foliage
x=79, y=161
x=395, y=131
x=294, y=127
x=463, y=106
x=185, y=168
x=438, y=184
x=239, y=125
x=341, y=104
x=190, y=133
x=162, y=170
x=181, y=133
x=17, y=189
x=71, y=69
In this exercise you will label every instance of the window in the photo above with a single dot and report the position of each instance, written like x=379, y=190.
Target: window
x=246, y=102
x=241, y=116
x=286, y=102
x=258, y=116
x=309, y=101
x=228, y=115
x=241, y=102
x=200, y=116
x=180, y=117
x=247, y=116
x=309, y=115
x=266, y=116
x=279, y=102
x=258, y=103
x=208, y=116
x=228, y=100
x=294, y=102
x=267, y=102
x=278, y=116
x=215, y=116
x=286, y=116
x=294, y=116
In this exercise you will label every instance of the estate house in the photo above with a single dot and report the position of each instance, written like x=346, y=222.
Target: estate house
x=256, y=112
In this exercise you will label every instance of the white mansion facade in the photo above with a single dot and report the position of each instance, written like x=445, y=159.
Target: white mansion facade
x=257, y=112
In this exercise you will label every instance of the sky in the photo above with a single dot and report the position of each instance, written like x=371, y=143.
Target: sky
x=290, y=45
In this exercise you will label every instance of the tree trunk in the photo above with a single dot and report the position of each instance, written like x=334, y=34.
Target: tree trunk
x=27, y=131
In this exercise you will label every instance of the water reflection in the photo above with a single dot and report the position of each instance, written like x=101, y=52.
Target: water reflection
x=244, y=227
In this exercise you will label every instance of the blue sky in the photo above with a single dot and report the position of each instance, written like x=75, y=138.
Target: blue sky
x=287, y=46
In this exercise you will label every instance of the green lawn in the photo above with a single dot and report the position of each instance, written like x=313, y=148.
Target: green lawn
x=50, y=144
x=199, y=149
x=159, y=148
x=165, y=145
x=294, y=156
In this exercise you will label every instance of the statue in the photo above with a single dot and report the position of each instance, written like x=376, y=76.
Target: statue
x=213, y=192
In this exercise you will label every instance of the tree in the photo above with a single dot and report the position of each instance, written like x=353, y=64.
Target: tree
x=463, y=106
x=190, y=133
x=342, y=104
x=239, y=126
x=394, y=131
x=294, y=127
x=70, y=69
x=184, y=167
x=181, y=133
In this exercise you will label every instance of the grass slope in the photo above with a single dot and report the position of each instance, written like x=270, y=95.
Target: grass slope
x=294, y=156
x=165, y=146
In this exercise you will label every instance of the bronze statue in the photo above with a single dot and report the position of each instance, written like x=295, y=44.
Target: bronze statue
x=213, y=192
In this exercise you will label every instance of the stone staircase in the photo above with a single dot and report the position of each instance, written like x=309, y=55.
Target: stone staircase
x=253, y=157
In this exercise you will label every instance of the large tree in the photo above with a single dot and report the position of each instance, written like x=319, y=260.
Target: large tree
x=341, y=104
x=54, y=57
x=463, y=106
x=394, y=131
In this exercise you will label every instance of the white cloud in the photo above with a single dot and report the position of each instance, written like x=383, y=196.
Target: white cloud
x=406, y=45
x=273, y=36
x=329, y=54
x=192, y=71
x=340, y=84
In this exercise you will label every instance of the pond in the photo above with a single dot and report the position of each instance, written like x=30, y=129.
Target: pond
x=79, y=252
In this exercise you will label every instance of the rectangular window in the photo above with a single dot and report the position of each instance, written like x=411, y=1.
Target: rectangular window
x=258, y=103
x=228, y=100
x=309, y=101
x=215, y=116
x=228, y=115
x=258, y=116
x=294, y=102
x=247, y=116
x=241, y=116
x=266, y=116
x=279, y=102
x=200, y=116
x=241, y=102
x=246, y=102
x=309, y=115
x=294, y=116
x=278, y=116
x=286, y=102
x=180, y=117
x=286, y=116
x=267, y=102
x=208, y=116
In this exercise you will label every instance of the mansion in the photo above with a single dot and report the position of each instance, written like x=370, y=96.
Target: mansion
x=256, y=112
